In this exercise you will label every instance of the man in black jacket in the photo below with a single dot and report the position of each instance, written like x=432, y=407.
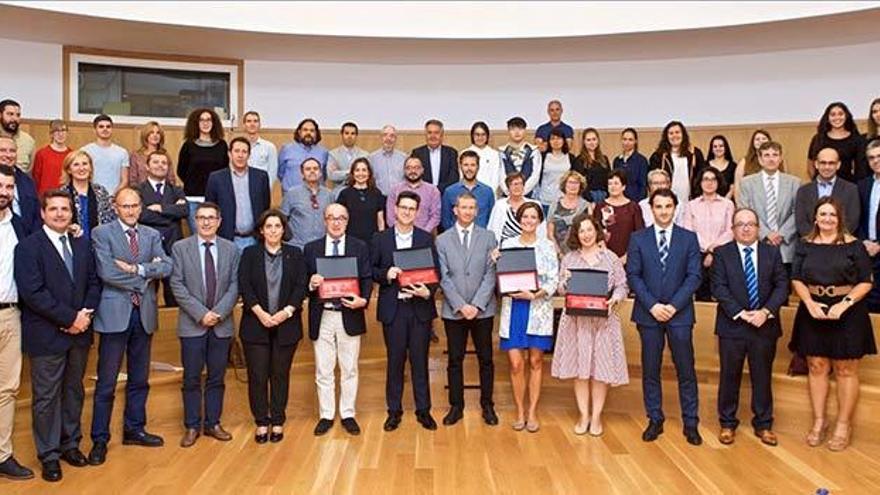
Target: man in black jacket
x=440, y=161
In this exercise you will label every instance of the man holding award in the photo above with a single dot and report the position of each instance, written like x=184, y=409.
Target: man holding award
x=340, y=283
x=405, y=267
x=468, y=282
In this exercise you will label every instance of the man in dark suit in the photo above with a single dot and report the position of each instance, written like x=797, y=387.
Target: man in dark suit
x=26, y=202
x=241, y=192
x=663, y=269
x=164, y=206
x=869, y=230
x=406, y=313
x=441, y=161
x=826, y=183
x=751, y=284
x=336, y=327
x=59, y=290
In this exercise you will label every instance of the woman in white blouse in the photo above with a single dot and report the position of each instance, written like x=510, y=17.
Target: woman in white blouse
x=490, y=172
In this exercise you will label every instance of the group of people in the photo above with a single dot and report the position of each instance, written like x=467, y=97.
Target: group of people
x=87, y=235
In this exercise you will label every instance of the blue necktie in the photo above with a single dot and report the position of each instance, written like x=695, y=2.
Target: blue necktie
x=664, y=249
x=751, y=278
x=67, y=255
x=335, y=247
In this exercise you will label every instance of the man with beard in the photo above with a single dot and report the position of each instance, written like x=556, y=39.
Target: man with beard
x=25, y=202
x=304, y=203
x=305, y=145
x=10, y=121
x=428, y=217
x=341, y=157
x=469, y=162
x=388, y=162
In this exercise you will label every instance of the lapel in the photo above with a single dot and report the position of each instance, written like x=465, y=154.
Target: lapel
x=652, y=247
x=764, y=267
x=56, y=256
x=253, y=190
x=286, y=267
x=738, y=274
x=261, y=274
x=196, y=261
x=122, y=238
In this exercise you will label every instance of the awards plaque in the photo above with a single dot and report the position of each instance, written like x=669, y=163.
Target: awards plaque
x=340, y=277
x=517, y=271
x=587, y=293
x=417, y=265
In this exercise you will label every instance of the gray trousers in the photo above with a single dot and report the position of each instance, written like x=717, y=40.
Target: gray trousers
x=58, y=393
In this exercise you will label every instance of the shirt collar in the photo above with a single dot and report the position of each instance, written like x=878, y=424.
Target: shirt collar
x=825, y=183
x=461, y=229
x=742, y=247
x=202, y=240
x=154, y=182
x=330, y=240
x=668, y=230
x=126, y=227
x=52, y=234
x=7, y=216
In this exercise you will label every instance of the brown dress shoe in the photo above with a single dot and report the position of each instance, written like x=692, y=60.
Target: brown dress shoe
x=726, y=436
x=218, y=433
x=767, y=437
x=189, y=438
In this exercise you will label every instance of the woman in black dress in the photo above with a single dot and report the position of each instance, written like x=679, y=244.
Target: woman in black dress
x=364, y=201
x=721, y=159
x=837, y=129
x=831, y=274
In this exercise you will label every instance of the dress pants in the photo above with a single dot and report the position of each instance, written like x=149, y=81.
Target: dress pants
x=733, y=352
x=456, y=344
x=134, y=343
x=10, y=375
x=682, y=346
x=334, y=345
x=268, y=369
x=873, y=297
x=196, y=353
x=58, y=393
x=406, y=336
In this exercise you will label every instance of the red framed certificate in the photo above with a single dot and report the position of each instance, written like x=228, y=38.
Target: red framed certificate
x=417, y=266
x=340, y=277
x=587, y=293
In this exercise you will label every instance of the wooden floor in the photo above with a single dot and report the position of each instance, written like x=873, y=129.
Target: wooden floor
x=471, y=457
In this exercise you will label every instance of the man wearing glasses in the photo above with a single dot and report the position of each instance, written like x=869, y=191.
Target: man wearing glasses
x=304, y=203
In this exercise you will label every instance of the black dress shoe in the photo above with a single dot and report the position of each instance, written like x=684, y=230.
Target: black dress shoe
x=351, y=426
x=323, y=426
x=276, y=436
x=453, y=416
x=261, y=437
x=11, y=469
x=654, y=430
x=142, y=438
x=692, y=435
x=52, y=471
x=425, y=419
x=489, y=416
x=98, y=454
x=393, y=421
x=75, y=458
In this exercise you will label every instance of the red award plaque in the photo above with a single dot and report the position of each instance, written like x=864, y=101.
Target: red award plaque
x=417, y=267
x=340, y=277
x=587, y=293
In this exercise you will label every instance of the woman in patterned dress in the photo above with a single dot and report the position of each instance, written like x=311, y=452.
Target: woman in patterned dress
x=589, y=349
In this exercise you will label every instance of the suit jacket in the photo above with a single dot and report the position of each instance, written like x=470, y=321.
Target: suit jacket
x=255, y=290
x=467, y=277
x=448, y=166
x=675, y=285
x=808, y=195
x=729, y=288
x=28, y=202
x=188, y=285
x=864, y=187
x=353, y=320
x=111, y=243
x=219, y=190
x=50, y=299
x=752, y=194
x=382, y=250
x=167, y=222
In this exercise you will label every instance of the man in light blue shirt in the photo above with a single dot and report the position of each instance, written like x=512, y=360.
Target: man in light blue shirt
x=264, y=154
x=341, y=157
x=304, y=205
x=387, y=162
x=305, y=145
x=109, y=160
x=469, y=164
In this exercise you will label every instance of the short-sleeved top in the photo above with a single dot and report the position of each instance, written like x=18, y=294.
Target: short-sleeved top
x=619, y=224
x=543, y=130
x=363, y=205
x=108, y=162
x=853, y=164
x=831, y=264
x=562, y=218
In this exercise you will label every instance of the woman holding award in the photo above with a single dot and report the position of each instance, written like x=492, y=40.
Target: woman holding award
x=589, y=349
x=526, y=327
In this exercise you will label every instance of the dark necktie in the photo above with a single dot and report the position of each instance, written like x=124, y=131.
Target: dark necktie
x=67, y=255
x=135, y=252
x=464, y=242
x=159, y=188
x=664, y=249
x=751, y=278
x=210, y=276
x=335, y=247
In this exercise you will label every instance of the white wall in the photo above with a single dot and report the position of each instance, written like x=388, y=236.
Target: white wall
x=31, y=75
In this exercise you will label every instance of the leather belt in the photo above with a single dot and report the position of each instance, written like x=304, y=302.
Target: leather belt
x=829, y=290
x=8, y=305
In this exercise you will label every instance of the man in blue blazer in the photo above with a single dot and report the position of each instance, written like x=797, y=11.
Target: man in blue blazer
x=26, y=203
x=59, y=289
x=869, y=227
x=406, y=313
x=663, y=270
x=751, y=284
x=130, y=260
x=336, y=327
x=241, y=192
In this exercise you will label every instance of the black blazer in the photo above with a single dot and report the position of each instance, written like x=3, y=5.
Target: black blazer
x=383, y=248
x=729, y=288
x=50, y=299
x=167, y=222
x=254, y=290
x=219, y=190
x=448, y=165
x=864, y=186
x=28, y=202
x=807, y=196
x=354, y=321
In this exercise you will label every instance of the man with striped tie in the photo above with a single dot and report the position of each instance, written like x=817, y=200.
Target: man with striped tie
x=750, y=284
x=663, y=270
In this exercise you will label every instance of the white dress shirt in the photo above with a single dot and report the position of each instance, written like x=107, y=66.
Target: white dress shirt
x=8, y=241
x=435, y=159
x=328, y=245
x=54, y=237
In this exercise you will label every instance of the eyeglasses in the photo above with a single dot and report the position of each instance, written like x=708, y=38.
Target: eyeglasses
x=129, y=206
x=742, y=225
x=336, y=219
x=204, y=218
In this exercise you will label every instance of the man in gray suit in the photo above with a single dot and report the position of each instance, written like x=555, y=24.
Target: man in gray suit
x=205, y=283
x=130, y=261
x=467, y=277
x=827, y=183
x=771, y=194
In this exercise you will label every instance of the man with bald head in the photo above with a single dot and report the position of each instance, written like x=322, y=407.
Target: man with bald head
x=336, y=325
x=388, y=162
x=827, y=183
x=25, y=202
